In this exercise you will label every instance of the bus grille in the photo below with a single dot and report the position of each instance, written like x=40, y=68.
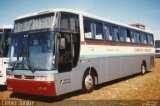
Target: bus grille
x=29, y=77
x=17, y=76
x=24, y=76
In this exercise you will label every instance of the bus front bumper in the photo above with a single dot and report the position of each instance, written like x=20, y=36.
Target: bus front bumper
x=42, y=88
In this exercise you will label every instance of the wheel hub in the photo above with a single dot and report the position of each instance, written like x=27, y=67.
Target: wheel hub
x=89, y=82
x=143, y=69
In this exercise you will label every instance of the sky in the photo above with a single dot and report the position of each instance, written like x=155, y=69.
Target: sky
x=146, y=12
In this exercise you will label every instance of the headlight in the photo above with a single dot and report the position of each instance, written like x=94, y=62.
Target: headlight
x=10, y=67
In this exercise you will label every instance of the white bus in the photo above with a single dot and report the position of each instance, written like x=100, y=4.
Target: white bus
x=4, y=34
x=57, y=51
x=157, y=48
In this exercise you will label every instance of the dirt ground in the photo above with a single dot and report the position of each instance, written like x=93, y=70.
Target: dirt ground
x=142, y=90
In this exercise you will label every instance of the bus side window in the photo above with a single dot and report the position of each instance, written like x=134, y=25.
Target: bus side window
x=88, y=28
x=128, y=39
x=74, y=23
x=98, y=30
x=122, y=36
x=133, y=36
x=64, y=24
x=150, y=39
x=143, y=38
x=137, y=36
x=69, y=22
x=107, y=32
x=115, y=33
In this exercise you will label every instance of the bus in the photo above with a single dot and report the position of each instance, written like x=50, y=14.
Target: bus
x=58, y=51
x=4, y=35
x=157, y=48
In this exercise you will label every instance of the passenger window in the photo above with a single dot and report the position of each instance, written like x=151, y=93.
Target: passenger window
x=115, y=33
x=74, y=23
x=123, y=34
x=150, y=39
x=143, y=38
x=128, y=38
x=69, y=22
x=64, y=24
x=107, y=32
x=99, y=30
x=88, y=30
x=133, y=36
x=137, y=35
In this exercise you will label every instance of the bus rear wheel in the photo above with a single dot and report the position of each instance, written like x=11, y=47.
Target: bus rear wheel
x=143, y=68
x=88, y=82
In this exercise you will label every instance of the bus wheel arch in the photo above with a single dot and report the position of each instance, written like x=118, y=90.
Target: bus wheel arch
x=93, y=77
x=143, y=67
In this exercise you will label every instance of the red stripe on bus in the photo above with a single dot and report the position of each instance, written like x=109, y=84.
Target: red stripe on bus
x=114, y=44
x=42, y=88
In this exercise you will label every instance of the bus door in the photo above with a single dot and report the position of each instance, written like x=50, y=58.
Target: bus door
x=69, y=41
x=65, y=52
x=68, y=53
x=68, y=50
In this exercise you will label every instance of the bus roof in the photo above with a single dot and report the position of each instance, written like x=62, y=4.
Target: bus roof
x=83, y=14
x=6, y=27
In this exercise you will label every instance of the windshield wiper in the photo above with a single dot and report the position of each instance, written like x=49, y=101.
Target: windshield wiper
x=30, y=63
x=26, y=59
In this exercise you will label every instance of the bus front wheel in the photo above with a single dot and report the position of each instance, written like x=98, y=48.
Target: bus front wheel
x=88, y=81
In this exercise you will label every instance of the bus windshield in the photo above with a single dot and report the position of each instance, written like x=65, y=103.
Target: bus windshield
x=157, y=44
x=34, y=23
x=32, y=51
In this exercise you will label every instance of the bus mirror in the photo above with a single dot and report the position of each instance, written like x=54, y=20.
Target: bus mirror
x=62, y=43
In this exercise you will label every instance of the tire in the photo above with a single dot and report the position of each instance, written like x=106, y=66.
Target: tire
x=88, y=82
x=143, y=68
x=3, y=87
